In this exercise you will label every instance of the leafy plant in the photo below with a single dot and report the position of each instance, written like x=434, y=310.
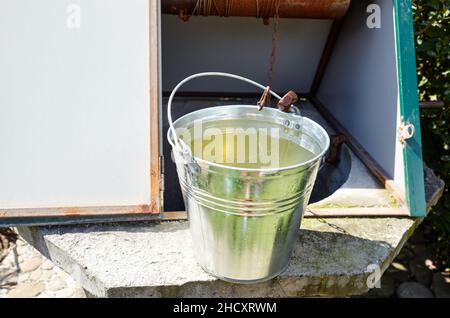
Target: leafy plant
x=431, y=19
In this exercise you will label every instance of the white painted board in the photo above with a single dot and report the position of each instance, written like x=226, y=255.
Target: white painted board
x=74, y=103
x=360, y=86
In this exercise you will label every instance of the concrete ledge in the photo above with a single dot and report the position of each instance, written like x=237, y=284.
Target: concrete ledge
x=332, y=257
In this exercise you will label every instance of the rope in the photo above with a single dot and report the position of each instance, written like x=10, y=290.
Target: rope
x=204, y=7
x=264, y=8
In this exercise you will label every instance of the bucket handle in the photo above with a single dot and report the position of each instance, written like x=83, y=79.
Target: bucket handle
x=220, y=74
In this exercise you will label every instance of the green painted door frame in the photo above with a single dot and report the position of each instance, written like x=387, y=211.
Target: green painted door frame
x=409, y=107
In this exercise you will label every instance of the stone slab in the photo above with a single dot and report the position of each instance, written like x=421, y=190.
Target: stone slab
x=332, y=257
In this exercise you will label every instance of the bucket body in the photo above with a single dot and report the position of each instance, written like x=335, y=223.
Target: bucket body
x=244, y=222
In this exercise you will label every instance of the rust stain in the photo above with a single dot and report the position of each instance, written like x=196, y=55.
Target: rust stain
x=72, y=211
x=137, y=209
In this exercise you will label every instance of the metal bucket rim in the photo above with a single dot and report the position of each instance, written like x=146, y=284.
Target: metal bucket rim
x=265, y=170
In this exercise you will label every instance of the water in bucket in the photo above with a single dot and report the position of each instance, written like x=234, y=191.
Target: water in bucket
x=245, y=144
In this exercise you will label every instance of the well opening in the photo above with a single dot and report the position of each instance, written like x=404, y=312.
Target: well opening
x=334, y=65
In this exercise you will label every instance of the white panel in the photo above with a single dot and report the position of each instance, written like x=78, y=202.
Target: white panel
x=74, y=104
x=360, y=85
x=241, y=46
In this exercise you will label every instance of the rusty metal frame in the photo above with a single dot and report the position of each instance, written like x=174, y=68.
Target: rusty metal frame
x=92, y=214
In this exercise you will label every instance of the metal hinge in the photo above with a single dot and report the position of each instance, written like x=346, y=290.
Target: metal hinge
x=405, y=132
x=161, y=182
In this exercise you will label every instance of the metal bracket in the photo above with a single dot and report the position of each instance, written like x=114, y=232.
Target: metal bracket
x=405, y=132
x=336, y=142
x=287, y=101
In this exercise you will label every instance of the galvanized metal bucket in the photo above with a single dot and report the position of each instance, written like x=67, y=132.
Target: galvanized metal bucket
x=244, y=222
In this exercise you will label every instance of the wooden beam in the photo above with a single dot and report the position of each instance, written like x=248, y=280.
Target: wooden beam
x=231, y=95
x=307, y=9
x=320, y=213
x=77, y=211
x=155, y=94
x=432, y=104
x=356, y=212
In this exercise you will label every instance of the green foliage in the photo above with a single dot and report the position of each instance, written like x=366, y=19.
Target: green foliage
x=431, y=19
